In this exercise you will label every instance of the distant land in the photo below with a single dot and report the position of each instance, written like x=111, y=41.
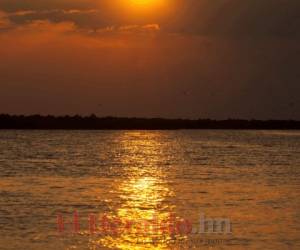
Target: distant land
x=93, y=122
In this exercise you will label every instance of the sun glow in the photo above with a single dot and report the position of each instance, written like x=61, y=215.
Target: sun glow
x=147, y=4
x=140, y=11
x=142, y=2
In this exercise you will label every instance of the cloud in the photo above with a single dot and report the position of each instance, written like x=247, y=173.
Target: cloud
x=38, y=5
x=129, y=29
x=5, y=23
x=252, y=18
x=45, y=26
x=79, y=17
x=49, y=12
x=35, y=22
x=42, y=34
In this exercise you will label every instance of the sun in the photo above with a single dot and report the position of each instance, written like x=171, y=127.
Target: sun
x=142, y=2
x=146, y=3
x=137, y=11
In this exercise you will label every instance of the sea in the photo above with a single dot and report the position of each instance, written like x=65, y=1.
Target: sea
x=181, y=189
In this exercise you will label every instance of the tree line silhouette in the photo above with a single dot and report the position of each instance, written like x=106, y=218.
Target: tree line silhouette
x=93, y=122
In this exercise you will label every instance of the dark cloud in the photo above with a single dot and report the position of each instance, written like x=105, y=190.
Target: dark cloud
x=202, y=17
x=236, y=17
x=40, y=5
x=82, y=18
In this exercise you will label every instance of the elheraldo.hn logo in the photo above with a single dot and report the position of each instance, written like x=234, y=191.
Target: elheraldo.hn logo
x=114, y=225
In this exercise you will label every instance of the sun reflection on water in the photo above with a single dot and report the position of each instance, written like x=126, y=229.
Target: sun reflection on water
x=144, y=197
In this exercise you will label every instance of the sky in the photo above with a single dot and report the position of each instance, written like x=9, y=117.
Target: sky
x=151, y=58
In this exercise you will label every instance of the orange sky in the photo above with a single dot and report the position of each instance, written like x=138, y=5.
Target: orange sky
x=201, y=58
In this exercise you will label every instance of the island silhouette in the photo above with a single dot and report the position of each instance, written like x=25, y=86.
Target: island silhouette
x=93, y=122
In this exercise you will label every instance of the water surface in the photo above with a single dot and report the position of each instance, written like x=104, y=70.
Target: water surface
x=251, y=178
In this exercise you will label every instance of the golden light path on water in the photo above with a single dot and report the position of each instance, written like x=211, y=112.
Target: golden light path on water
x=143, y=194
